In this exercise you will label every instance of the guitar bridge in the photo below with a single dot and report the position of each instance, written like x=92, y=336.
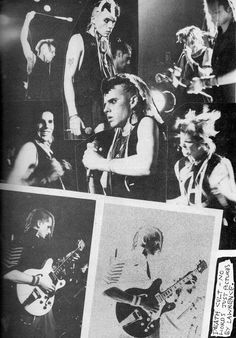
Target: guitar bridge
x=32, y=297
x=132, y=318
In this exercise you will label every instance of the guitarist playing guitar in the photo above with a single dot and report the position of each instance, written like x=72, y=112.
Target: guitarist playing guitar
x=28, y=252
x=138, y=311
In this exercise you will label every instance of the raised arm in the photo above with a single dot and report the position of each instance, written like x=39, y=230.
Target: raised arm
x=24, y=165
x=28, y=53
x=144, y=163
x=74, y=59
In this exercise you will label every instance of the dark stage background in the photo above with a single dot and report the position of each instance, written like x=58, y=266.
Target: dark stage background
x=73, y=221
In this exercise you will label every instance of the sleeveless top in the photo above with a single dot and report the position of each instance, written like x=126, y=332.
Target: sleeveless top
x=43, y=169
x=87, y=84
x=152, y=187
x=39, y=81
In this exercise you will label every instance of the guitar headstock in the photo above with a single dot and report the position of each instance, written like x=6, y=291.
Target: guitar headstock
x=202, y=265
x=80, y=245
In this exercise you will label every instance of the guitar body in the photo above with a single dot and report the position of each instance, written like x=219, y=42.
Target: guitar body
x=137, y=322
x=33, y=298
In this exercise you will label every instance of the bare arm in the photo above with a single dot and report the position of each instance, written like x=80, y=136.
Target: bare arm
x=225, y=188
x=28, y=53
x=19, y=277
x=144, y=163
x=198, y=84
x=24, y=165
x=148, y=304
x=74, y=59
x=119, y=295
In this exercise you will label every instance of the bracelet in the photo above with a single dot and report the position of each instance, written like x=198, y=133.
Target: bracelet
x=37, y=280
x=138, y=302
x=134, y=300
x=33, y=280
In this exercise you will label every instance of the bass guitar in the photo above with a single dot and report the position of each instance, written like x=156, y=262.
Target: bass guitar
x=137, y=322
x=34, y=298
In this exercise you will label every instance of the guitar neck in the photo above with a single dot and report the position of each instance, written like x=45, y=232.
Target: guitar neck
x=59, y=270
x=168, y=292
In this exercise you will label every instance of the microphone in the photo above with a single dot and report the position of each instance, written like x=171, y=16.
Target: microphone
x=95, y=146
x=69, y=19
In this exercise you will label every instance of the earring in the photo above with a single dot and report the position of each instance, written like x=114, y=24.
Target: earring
x=133, y=116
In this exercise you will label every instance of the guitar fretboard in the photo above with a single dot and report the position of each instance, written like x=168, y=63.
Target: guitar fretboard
x=59, y=270
x=180, y=284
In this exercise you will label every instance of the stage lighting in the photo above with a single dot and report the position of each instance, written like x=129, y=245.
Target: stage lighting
x=159, y=99
x=36, y=0
x=165, y=101
x=47, y=8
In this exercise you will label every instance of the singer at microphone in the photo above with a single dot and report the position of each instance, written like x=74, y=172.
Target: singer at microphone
x=134, y=165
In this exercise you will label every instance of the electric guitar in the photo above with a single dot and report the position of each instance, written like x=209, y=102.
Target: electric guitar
x=34, y=298
x=137, y=322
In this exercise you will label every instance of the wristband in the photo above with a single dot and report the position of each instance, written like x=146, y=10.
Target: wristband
x=33, y=281
x=138, y=302
x=134, y=300
x=37, y=280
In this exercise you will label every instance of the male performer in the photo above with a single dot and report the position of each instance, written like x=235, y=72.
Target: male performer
x=137, y=271
x=121, y=52
x=147, y=242
x=135, y=164
x=39, y=63
x=35, y=164
x=29, y=252
x=88, y=61
x=195, y=59
x=205, y=178
x=223, y=14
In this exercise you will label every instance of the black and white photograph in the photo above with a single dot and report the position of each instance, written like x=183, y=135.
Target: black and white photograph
x=152, y=271
x=45, y=260
x=131, y=102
